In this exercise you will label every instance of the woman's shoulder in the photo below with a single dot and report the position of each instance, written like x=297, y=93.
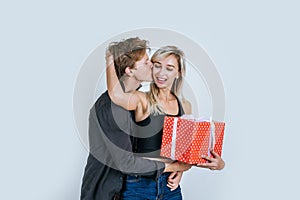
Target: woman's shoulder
x=186, y=105
x=141, y=95
x=141, y=111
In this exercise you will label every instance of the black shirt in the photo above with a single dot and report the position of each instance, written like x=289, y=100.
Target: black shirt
x=148, y=137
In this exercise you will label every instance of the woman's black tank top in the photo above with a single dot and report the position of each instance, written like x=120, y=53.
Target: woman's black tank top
x=148, y=134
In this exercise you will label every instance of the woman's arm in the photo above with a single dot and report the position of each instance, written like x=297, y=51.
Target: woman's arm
x=129, y=101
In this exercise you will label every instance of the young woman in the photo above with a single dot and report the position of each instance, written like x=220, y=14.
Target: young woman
x=164, y=98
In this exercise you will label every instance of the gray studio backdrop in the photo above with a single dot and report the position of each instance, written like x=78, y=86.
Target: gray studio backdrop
x=253, y=44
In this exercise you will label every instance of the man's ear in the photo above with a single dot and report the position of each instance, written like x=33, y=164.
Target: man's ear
x=128, y=71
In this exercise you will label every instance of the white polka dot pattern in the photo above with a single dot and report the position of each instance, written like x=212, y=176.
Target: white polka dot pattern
x=219, y=136
x=192, y=139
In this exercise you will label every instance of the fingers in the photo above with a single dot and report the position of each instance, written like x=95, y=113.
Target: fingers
x=174, y=180
x=208, y=158
x=215, y=155
x=108, y=53
x=215, y=163
x=172, y=186
x=219, y=162
x=211, y=166
x=172, y=175
x=109, y=58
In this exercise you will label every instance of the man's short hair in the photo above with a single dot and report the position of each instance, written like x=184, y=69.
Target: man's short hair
x=127, y=52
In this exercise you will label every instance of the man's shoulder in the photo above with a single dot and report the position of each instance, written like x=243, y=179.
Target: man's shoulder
x=102, y=100
x=105, y=104
x=111, y=114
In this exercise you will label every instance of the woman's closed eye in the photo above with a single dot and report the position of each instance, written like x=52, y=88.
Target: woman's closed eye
x=157, y=66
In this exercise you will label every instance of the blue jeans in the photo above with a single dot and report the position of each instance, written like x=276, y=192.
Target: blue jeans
x=143, y=188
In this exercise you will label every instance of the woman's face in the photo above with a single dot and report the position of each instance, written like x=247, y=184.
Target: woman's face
x=164, y=71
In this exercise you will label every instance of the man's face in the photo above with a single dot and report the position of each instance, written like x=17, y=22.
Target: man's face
x=143, y=69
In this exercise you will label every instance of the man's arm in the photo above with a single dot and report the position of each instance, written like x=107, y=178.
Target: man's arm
x=111, y=146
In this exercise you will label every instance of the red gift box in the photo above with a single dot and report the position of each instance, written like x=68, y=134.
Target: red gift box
x=186, y=140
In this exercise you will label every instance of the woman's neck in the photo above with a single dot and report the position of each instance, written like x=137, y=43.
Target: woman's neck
x=168, y=102
x=165, y=95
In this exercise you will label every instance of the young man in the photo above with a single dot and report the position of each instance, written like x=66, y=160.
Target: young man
x=111, y=156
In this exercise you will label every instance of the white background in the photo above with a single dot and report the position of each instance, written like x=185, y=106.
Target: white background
x=254, y=44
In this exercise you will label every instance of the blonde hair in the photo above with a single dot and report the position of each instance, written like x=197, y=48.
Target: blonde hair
x=154, y=106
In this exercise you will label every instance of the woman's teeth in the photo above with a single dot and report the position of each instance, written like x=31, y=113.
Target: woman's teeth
x=161, y=79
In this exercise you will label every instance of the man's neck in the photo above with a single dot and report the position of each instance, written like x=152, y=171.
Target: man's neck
x=131, y=84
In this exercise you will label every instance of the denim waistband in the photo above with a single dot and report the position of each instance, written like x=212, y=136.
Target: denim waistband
x=165, y=174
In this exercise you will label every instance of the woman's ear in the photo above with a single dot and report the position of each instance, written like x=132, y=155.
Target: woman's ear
x=128, y=71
